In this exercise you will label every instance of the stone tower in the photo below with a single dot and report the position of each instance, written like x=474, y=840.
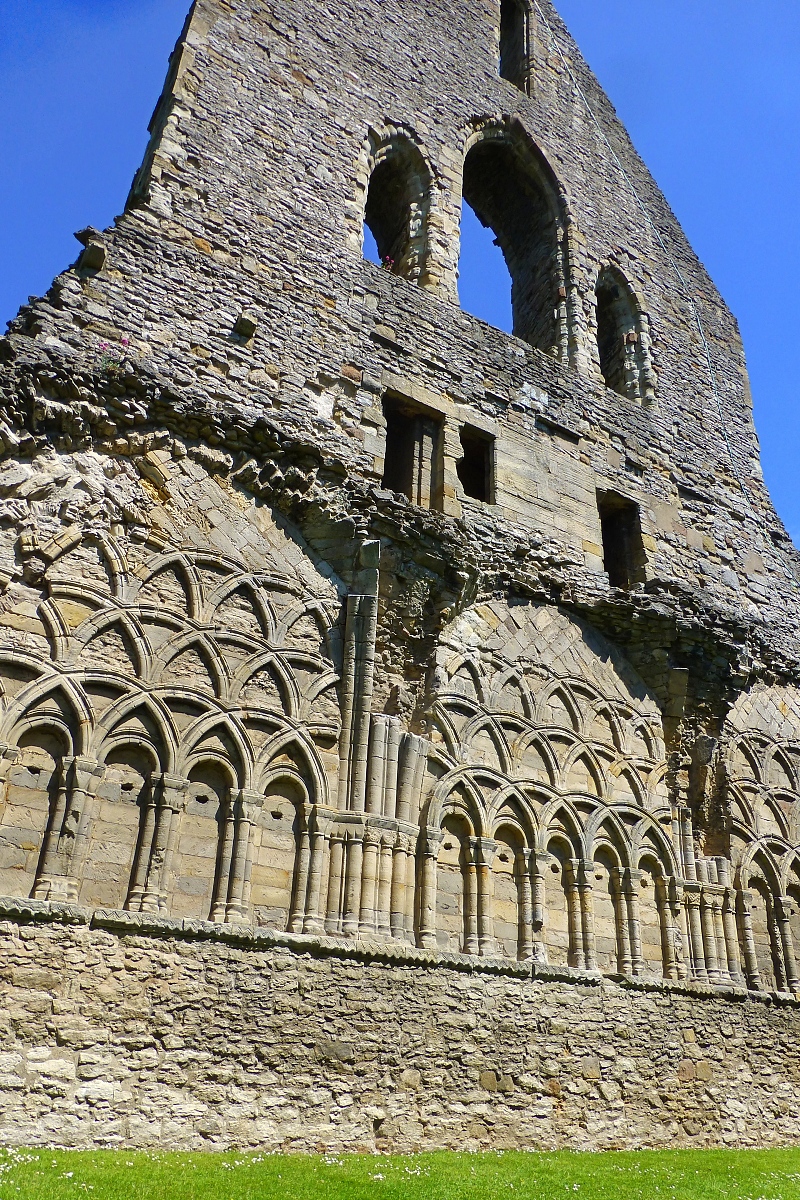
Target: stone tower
x=399, y=720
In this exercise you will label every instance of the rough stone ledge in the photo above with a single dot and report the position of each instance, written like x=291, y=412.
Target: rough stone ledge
x=366, y=950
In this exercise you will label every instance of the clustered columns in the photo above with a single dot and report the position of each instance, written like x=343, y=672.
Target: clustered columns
x=66, y=839
x=372, y=874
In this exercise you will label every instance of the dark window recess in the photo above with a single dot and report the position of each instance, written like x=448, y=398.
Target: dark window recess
x=623, y=550
x=396, y=210
x=413, y=451
x=476, y=467
x=506, y=187
x=514, y=59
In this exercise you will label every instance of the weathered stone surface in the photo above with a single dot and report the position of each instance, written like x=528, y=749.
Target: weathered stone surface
x=399, y=721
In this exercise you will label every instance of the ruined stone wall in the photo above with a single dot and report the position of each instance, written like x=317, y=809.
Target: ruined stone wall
x=282, y=697
x=115, y=1038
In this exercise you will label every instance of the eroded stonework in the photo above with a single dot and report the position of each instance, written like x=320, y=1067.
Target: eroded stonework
x=400, y=720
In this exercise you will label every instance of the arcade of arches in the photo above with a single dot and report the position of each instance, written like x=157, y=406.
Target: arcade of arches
x=183, y=735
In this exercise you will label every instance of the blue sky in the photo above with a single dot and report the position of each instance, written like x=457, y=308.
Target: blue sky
x=710, y=93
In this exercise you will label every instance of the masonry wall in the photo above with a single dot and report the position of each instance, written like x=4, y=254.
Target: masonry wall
x=250, y=693
x=112, y=1037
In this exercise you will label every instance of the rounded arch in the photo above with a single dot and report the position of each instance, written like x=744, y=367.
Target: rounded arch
x=398, y=194
x=623, y=344
x=512, y=189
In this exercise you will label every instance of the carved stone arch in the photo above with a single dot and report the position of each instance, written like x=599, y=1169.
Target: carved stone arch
x=605, y=828
x=271, y=668
x=640, y=730
x=511, y=683
x=760, y=915
x=649, y=838
x=143, y=715
x=84, y=559
x=656, y=794
x=218, y=736
x=56, y=699
x=282, y=853
x=512, y=188
x=188, y=600
x=553, y=701
x=623, y=773
x=580, y=769
x=560, y=818
x=33, y=799
x=604, y=727
x=396, y=198
x=307, y=611
x=248, y=588
x=779, y=770
x=482, y=739
x=469, y=670
x=296, y=748
x=531, y=750
x=457, y=793
x=742, y=756
x=177, y=662
x=96, y=637
x=623, y=354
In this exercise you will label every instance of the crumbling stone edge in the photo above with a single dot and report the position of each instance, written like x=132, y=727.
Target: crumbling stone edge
x=151, y=925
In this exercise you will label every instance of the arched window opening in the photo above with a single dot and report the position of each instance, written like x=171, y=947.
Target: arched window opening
x=515, y=44
x=621, y=339
x=484, y=284
x=505, y=186
x=396, y=213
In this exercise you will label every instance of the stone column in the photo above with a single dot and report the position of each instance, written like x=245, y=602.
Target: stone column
x=413, y=752
x=751, y=968
x=314, y=921
x=335, y=878
x=358, y=680
x=87, y=776
x=354, y=858
x=539, y=867
x=485, y=852
x=383, y=921
x=399, y=902
x=144, y=846
x=172, y=803
x=783, y=912
x=430, y=850
x=692, y=899
x=377, y=765
x=586, y=895
x=238, y=907
x=49, y=881
x=575, y=958
x=668, y=940
x=394, y=734
x=731, y=936
x=624, y=958
x=471, y=898
x=369, y=881
x=219, y=902
x=709, y=936
x=716, y=901
x=779, y=946
x=524, y=868
x=633, y=880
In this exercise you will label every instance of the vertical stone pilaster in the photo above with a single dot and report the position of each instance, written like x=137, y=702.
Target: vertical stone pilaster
x=698, y=957
x=586, y=895
x=430, y=855
x=485, y=850
x=783, y=911
x=576, y=956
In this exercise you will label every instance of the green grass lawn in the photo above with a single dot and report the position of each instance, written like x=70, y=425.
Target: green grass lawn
x=677, y=1175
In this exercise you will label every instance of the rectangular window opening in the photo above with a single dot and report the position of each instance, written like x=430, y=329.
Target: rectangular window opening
x=412, y=462
x=624, y=557
x=476, y=467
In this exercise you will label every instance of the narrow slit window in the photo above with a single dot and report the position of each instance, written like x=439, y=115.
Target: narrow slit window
x=624, y=557
x=476, y=467
x=413, y=452
x=514, y=34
